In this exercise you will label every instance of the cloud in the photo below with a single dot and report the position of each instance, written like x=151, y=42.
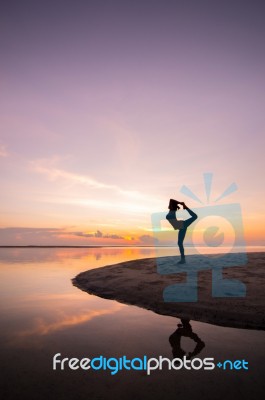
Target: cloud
x=48, y=167
x=30, y=230
x=125, y=206
x=3, y=151
x=98, y=234
x=28, y=236
x=20, y=236
x=147, y=239
x=50, y=236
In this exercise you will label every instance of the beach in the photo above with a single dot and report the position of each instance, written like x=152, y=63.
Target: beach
x=141, y=283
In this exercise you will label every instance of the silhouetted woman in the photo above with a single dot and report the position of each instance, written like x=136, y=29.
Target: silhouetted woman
x=180, y=225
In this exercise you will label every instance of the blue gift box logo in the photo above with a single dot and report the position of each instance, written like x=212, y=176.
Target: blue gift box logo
x=219, y=228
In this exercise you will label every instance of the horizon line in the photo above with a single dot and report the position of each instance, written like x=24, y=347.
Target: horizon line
x=101, y=246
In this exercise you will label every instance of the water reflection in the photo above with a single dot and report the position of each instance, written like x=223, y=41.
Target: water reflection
x=91, y=255
x=44, y=327
x=117, y=254
x=185, y=330
x=37, y=296
x=42, y=314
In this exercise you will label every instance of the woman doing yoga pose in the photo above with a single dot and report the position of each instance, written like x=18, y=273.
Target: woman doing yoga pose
x=180, y=225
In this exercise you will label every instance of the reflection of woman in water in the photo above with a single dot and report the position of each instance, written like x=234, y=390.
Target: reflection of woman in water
x=185, y=329
x=180, y=225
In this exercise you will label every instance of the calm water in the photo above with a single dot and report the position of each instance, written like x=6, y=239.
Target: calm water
x=42, y=314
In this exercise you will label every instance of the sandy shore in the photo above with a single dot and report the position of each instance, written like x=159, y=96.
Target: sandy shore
x=147, y=283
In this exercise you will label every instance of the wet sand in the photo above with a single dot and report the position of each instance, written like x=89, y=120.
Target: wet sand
x=145, y=283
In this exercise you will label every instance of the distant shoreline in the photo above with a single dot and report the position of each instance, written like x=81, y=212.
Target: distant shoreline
x=48, y=247
x=73, y=246
x=104, y=246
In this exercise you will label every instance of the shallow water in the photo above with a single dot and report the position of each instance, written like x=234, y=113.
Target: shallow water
x=42, y=314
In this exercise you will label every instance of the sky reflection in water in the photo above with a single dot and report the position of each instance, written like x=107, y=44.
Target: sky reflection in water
x=42, y=314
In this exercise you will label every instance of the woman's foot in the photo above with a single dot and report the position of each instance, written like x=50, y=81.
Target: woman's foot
x=183, y=205
x=182, y=261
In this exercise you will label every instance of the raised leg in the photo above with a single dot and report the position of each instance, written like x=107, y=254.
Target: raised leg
x=182, y=233
x=190, y=220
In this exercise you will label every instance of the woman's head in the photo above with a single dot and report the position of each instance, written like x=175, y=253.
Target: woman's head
x=173, y=205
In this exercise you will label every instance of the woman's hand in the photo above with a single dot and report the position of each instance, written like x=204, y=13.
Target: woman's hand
x=183, y=204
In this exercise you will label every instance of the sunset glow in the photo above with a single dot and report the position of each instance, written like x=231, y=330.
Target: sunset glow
x=107, y=112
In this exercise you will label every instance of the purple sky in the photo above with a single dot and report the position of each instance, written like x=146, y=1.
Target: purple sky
x=108, y=107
